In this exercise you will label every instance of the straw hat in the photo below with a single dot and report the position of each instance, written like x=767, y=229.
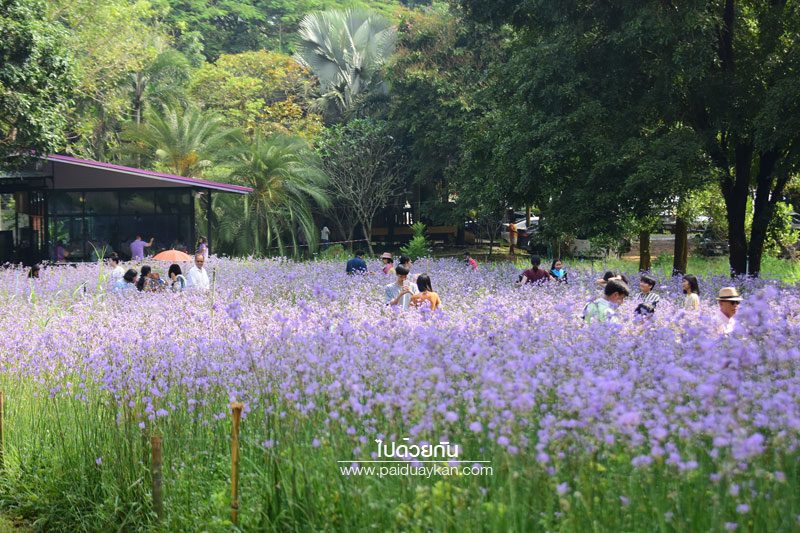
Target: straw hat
x=729, y=294
x=386, y=255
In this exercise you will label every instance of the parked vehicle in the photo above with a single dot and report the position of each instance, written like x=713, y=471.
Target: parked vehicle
x=710, y=244
x=795, y=221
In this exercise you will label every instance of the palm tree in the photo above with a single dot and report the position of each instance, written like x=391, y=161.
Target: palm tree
x=180, y=140
x=346, y=50
x=287, y=179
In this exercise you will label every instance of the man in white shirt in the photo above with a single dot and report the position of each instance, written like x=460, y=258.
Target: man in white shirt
x=729, y=300
x=117, y=272
x=399, y=292
x=197, y=278
x=324, y=237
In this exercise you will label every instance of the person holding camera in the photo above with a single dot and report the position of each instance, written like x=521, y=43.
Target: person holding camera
x=400, y=292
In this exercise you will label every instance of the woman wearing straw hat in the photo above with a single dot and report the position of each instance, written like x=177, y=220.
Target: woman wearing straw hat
x=388, y=263
x=729, y=300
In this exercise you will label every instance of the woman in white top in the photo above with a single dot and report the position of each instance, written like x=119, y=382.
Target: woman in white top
x=178, y=282
x=692, y=291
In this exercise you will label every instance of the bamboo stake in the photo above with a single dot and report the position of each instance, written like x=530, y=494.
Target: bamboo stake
x=237, y=416
x=158, y=496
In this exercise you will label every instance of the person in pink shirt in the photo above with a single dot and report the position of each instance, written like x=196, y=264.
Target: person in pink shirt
x=138, y=246
x=470, y=261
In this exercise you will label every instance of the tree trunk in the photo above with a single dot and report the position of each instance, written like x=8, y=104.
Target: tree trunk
x=763, y=208
x=681, y=254
x=367, y=229
x=644, y=251
x=735, y=190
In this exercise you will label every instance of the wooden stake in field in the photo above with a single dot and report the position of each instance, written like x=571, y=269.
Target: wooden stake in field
x=155, y=465
x=237, y=417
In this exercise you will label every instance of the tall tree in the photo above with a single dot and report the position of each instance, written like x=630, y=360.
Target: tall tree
x=288, y=182
x=436, y=76
x=362, y=162
x=259, y=92
x=182, y=141
x=36, y=80
x=347, y=51
x=110, y=40
x=725, y=70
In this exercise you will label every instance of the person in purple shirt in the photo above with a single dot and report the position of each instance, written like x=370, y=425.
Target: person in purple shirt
x=138, y=246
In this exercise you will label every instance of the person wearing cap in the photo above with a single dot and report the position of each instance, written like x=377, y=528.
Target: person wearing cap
x=388, y=263
x=729, y=300
x=604, y=309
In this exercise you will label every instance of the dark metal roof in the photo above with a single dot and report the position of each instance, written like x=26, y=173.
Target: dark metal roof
x=148, y=174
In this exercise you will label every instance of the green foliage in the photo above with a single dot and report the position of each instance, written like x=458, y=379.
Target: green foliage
x=362, y=162
x=435, y=76
x=648, y=99
x=110, y=40
x=288, y=182
x=236, y=26
x=781, y=238
x=346, y=51
x=181, y=141
x=333, y=253
x=419, y=245
x=264, y=92
x=36, y=80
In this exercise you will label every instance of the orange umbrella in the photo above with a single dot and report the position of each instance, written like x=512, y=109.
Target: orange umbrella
x=172, y=255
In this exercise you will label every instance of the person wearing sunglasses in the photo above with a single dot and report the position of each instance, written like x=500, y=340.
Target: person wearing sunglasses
x=729, y=300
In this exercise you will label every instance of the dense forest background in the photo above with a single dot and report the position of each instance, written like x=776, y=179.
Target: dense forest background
x=600, y=119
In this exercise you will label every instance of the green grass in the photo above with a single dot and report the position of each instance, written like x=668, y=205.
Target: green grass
x=53, y=479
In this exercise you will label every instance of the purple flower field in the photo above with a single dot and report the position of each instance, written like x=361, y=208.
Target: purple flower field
x=646, y=424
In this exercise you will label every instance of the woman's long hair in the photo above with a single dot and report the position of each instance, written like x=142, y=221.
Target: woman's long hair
x=424, y=283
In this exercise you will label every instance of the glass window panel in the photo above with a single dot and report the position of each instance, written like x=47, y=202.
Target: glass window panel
x=65, y=203
x=137, y=202
x=172, y=201
x=104, y=235
x=101, y=203
x=68, y=232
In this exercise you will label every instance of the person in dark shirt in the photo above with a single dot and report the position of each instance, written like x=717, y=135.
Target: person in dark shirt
x=534, y=274
x=357, y=265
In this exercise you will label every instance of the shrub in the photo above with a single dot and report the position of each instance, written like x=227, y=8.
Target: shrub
x=419, y=246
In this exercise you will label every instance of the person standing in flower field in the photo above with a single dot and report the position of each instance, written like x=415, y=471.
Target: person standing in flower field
x=604, y=309
x=197, y=278
x=388, y=263
x=202, y=247
x=534, y=274
x=178, y=281
x=729, y=300
x=692, y=291
x=558, y=272
x=401, y=291
x=116, y=269
x=138, y=246
x=357, y=265
x=473, y=265
x=647, y=296
x=425, y=293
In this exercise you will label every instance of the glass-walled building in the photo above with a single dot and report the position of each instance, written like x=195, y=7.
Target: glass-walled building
x=77, y=210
